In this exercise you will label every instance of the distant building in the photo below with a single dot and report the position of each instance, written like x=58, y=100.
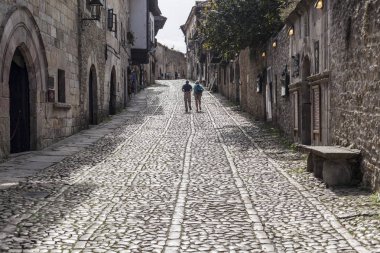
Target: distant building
x=169, y=62
x=195, y=54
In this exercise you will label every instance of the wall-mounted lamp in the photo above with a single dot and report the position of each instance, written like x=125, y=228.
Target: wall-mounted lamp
x=263, y=54
x=291, y=31
x=318, y=4
x=274, y=44
x=95, y=8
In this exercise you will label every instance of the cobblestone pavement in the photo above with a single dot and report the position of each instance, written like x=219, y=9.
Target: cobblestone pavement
x=167, y=181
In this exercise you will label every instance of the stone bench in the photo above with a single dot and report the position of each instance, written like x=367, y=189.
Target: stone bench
x=336, y=166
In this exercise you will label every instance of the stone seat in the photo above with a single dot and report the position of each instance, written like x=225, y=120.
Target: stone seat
x=336, y=166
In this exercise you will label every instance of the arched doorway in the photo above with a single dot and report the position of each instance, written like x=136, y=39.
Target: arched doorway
x=19, y=107
x=305, y=103
x=23, y=80
x=92, y=97
x=112, y=105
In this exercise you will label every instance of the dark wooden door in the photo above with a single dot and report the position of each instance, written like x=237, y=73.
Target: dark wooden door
x=91, y=98
x=19, y=108
x=112, y=105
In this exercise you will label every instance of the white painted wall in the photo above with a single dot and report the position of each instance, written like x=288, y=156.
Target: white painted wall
x=138, y=23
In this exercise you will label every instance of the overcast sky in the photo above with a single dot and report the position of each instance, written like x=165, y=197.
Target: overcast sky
x=177, y=12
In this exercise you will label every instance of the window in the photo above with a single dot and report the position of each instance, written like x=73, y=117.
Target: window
x=88, y=5
x=316, y=57
x=299, y=28
x=112, y=22
x=61, y=86
x=296, y=112
x=306, y=27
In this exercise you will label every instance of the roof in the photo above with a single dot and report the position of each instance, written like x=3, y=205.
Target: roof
x=153, y=7
x=193, y=12
x=297, y=8
x=159, y=22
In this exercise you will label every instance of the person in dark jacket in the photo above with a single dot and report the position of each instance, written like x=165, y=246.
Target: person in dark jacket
x=187, y=88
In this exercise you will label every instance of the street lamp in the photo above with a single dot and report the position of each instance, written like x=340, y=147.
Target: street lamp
x=95, y=9
x=291, y=31
x=274, y=44
x=318, y=4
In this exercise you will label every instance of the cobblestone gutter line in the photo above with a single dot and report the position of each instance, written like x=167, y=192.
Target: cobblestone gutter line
x=81, y=244
x=173, y=242
x=265, y=242
x=329, y=216
x=13, y=221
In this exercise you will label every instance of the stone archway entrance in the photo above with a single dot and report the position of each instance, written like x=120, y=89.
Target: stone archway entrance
x=92, y=97
x=23, y=79
x=112, y=105
x=19, y=106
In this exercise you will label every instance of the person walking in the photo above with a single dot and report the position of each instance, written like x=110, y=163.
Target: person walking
x=187, y=88
x=198, y=91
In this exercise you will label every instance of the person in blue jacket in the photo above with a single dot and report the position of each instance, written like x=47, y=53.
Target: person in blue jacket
x=198, y=91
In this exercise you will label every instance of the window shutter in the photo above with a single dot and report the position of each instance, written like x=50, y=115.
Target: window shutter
x=115, y=24
x=296, y=111
x=110, y=19
x=316, y=112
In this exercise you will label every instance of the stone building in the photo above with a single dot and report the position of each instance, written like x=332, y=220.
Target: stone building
x=169, y=61
x=196, y=56
x=39, y=83
x=64, y=67
x=144, y=29
x=320, y=82
x=317, y=79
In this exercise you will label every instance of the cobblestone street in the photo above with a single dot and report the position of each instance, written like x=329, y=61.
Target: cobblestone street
x=170, y=181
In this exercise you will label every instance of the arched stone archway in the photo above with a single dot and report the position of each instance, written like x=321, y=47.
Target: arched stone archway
x=21, y=37
x=19, y=104
x=112, y=105
x=92, y=97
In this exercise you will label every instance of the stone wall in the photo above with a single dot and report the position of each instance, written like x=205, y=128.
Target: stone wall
x=272, y=65
x=251, y=65
x=278, y=61
x=170, y=61
x=355, y=87
x=92, y=41
x=348, y=76
x=48, y=40
x=52, y=36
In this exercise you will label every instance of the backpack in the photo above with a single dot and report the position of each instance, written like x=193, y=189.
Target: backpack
x=198, y=88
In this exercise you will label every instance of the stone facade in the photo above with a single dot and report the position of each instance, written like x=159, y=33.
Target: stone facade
x=318, y=83
x=196, y=57
x=61, y=70
x=355, y=88
x=46, y=35
x=264, y=74
x=169, y=61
